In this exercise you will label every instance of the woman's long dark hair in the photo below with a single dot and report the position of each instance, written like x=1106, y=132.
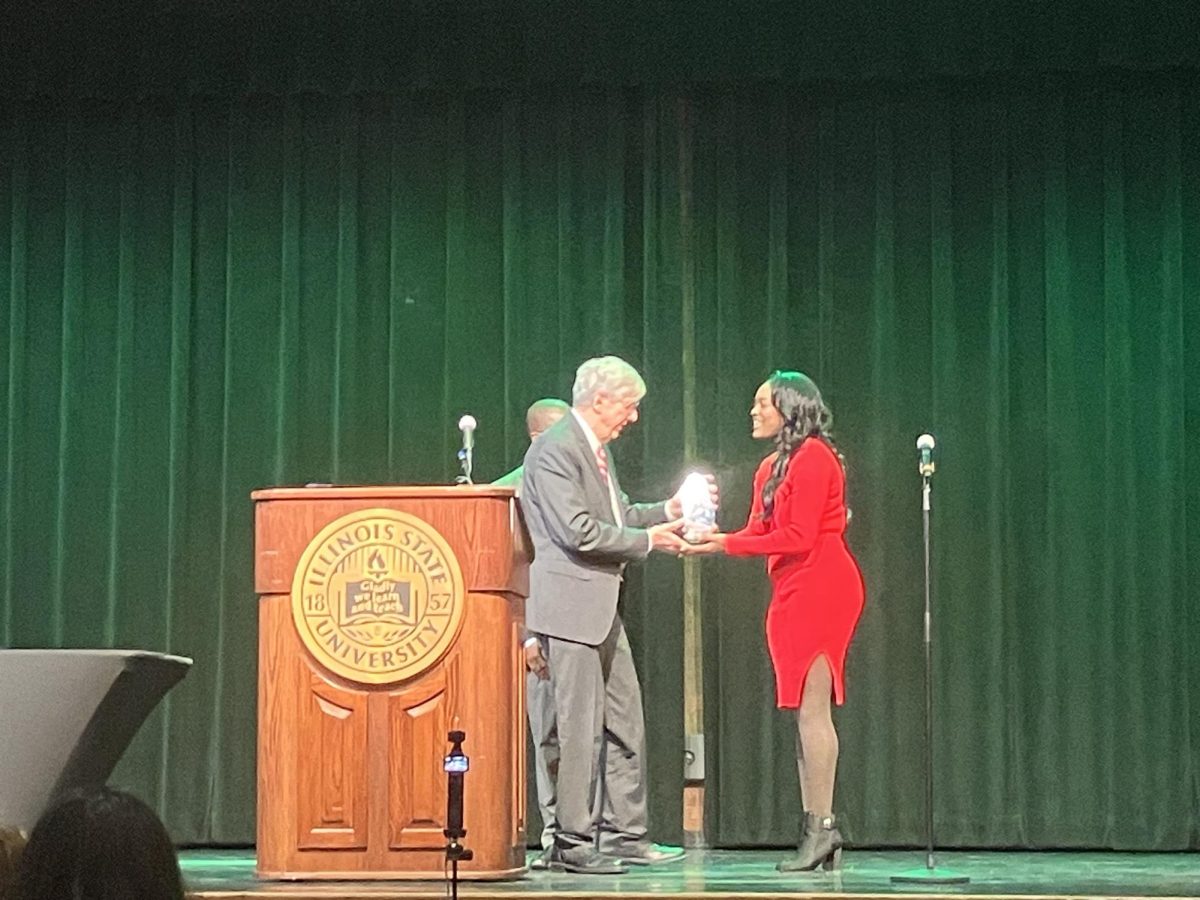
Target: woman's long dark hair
x=805, y=415
x=99, y=845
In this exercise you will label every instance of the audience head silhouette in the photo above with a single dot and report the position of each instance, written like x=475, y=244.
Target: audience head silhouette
x=99, y=845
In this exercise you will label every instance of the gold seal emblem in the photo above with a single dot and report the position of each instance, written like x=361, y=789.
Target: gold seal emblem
x=378, y=596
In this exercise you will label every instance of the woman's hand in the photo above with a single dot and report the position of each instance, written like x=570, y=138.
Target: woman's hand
x=712, y=544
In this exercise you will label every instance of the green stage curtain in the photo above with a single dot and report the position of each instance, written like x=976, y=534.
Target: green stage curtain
x=202, y=295
x=1015, y=270
x=137, y=48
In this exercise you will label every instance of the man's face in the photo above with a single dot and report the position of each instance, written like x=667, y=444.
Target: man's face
x=550, y=418
x=613, y=414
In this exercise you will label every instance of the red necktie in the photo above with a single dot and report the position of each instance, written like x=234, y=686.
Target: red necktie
x=602, y=463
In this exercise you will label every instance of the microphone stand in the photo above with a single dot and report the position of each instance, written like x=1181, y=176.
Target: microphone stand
x=467, y=461
x=466, y=456
x=931, y=874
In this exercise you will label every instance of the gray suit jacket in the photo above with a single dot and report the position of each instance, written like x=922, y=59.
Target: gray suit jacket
x=580, y=551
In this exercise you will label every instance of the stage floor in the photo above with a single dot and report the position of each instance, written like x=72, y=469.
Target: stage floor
x=229, y=875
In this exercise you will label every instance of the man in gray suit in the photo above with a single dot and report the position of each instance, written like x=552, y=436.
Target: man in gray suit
x=584, y=531
x=539, y=692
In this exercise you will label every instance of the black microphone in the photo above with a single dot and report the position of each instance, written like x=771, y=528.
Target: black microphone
x=925, y=445
x=456, y=765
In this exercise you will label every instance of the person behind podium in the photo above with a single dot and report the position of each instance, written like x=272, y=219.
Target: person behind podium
x=584, y=532
x=798, y=522
x=539, y=692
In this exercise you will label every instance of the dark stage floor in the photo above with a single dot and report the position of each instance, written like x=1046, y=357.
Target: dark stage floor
x=729, y=873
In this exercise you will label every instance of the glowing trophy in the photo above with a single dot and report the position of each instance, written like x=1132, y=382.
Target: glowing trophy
x=699, y=511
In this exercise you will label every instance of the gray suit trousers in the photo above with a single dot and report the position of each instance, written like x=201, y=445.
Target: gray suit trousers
x=543, y=731
x=600, y=724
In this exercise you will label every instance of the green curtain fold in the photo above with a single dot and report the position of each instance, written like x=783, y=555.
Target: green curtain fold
x=203, y=295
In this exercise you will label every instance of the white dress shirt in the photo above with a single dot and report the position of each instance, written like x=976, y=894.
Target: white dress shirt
x=594, y=443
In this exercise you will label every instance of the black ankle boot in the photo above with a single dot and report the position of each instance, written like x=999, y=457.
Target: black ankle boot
x=820, y=845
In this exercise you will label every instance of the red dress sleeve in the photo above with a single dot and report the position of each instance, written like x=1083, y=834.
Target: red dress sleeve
x=754, y=522
x=799, y=504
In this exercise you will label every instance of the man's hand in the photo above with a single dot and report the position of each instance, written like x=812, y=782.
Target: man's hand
x=535, y=662
x=675, y=504
x=663, y=537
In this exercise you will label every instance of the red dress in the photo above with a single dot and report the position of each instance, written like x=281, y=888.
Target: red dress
x=816, y=585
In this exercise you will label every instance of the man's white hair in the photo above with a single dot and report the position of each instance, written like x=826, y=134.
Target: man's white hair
x=610, y=375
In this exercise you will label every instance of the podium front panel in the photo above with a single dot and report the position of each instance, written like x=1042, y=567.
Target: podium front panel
x=355, y=584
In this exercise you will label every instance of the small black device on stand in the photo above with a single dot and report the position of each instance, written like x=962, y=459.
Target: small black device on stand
x=455, y=765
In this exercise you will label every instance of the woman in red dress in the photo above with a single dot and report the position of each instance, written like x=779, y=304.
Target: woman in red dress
x=798, y=522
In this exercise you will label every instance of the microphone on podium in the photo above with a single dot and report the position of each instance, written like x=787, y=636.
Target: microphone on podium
x=466, y=455
x=925, y=445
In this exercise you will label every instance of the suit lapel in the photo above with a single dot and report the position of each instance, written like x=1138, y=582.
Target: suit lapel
x=601, y=500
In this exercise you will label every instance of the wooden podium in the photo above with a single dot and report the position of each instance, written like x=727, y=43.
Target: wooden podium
x=388, y=616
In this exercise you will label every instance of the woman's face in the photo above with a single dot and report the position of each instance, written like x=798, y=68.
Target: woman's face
x=765, y=420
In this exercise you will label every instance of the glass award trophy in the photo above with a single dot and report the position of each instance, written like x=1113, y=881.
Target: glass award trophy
x=699, y=510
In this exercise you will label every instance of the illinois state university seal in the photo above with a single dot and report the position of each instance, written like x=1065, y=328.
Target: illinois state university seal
x=378, y=596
